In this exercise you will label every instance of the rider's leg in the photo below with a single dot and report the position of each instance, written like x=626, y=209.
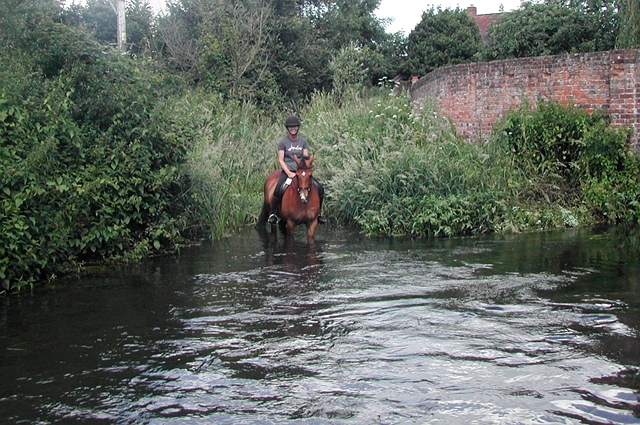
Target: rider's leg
x=321, y=218
x=275, y=200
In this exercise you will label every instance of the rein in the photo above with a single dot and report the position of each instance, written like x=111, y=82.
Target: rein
x=301, y=189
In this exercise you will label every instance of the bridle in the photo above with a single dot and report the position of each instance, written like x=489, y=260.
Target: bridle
x=304, y=191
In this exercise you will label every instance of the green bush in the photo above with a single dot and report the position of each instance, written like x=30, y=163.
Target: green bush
x=391, y=170
x=574, y=159
x=92, y=170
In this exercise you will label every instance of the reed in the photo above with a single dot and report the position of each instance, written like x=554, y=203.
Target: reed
x=233, y=152
x=395, y=170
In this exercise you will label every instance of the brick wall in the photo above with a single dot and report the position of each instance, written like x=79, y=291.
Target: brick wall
x=477, y=95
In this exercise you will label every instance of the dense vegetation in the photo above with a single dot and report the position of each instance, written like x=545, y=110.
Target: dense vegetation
x=442, y=38
x=554, y=27
x=92, y=167
x=108, y=156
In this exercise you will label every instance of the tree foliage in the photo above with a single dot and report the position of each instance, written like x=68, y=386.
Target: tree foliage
x=553, y=27
x=261, y=50
x=629, y=35
x=442, y=38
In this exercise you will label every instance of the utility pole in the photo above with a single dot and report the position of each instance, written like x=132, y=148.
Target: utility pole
x=119, y=8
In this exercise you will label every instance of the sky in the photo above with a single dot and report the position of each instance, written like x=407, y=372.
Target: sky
x=406, y=14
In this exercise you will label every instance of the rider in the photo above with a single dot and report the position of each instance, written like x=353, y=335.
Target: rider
x=292, y=144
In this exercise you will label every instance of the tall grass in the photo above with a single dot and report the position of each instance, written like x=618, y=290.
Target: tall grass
x=233, y=153
x=391, y=169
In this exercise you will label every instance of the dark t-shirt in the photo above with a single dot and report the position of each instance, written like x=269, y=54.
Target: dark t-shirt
x=291, y=148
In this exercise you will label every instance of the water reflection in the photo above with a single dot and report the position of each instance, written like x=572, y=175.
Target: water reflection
x=259, y=329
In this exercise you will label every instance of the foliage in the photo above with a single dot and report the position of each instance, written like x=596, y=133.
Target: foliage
x=342, y=22
x=629, y=35
x=553, y=27
x=90, y=171
x=233, y=152
x=17, y=17
x=140, y=26
x=391, y=171
x=99, y=18
x=575, y=158
x=348, y=68
x=262, y=51
x=442, y=38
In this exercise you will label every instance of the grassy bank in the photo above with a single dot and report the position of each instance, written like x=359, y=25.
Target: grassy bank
x=391, y=170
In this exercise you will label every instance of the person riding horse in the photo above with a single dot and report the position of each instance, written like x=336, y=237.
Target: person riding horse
x=290, y=145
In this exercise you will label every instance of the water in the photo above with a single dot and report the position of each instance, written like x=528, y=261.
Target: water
x=526, y=329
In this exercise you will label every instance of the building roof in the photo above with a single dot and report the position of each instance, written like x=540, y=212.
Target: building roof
x=483, y=21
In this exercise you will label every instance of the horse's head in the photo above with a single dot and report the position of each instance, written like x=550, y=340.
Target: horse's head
x=303, y=175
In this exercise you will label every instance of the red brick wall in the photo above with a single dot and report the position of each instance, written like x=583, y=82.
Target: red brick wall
x=477, y=95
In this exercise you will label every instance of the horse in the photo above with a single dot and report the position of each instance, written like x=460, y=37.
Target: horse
x=300, y=202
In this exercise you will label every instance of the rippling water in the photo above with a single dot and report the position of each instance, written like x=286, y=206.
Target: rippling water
x=525, y=329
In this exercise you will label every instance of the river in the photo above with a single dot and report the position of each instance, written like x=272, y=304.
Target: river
x=519, y=329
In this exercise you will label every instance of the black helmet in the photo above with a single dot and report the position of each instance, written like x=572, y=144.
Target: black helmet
x=292, y=121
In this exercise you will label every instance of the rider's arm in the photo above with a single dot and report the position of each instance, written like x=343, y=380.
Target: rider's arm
x=284, y=167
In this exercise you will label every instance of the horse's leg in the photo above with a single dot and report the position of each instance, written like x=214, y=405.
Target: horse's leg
x=269, y=189
x=290, y=226
x=311, y=228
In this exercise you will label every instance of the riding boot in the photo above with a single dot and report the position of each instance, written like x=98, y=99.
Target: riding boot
x=277, y=195
x=321, y=218
x=275, y=207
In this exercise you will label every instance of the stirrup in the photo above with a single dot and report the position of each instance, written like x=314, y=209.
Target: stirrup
x=273, y=219
x=321, y=219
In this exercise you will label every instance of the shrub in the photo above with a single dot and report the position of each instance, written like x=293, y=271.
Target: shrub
x=91, y=169
x=574, y=158
x=391, y=170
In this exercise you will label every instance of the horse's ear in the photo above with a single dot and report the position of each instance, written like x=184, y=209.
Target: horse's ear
x=310, y=160
x=295, y=158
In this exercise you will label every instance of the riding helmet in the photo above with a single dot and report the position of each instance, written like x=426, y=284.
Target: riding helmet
x=292, y=121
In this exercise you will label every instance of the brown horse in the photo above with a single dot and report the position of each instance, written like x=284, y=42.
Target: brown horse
x=300, y=202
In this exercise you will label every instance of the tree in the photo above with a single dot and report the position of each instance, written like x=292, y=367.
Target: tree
x=140, y=26
x=442, y=38
x=91, y=166
x=348, y=68
x=259, y=49
x=16, y=16
x=221, y=45
x=629, y=35
x=553, y=27
x=99, y=18
x=242, y=33
x=343, y=22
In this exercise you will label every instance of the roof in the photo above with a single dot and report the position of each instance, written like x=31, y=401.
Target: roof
x=483, y=21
